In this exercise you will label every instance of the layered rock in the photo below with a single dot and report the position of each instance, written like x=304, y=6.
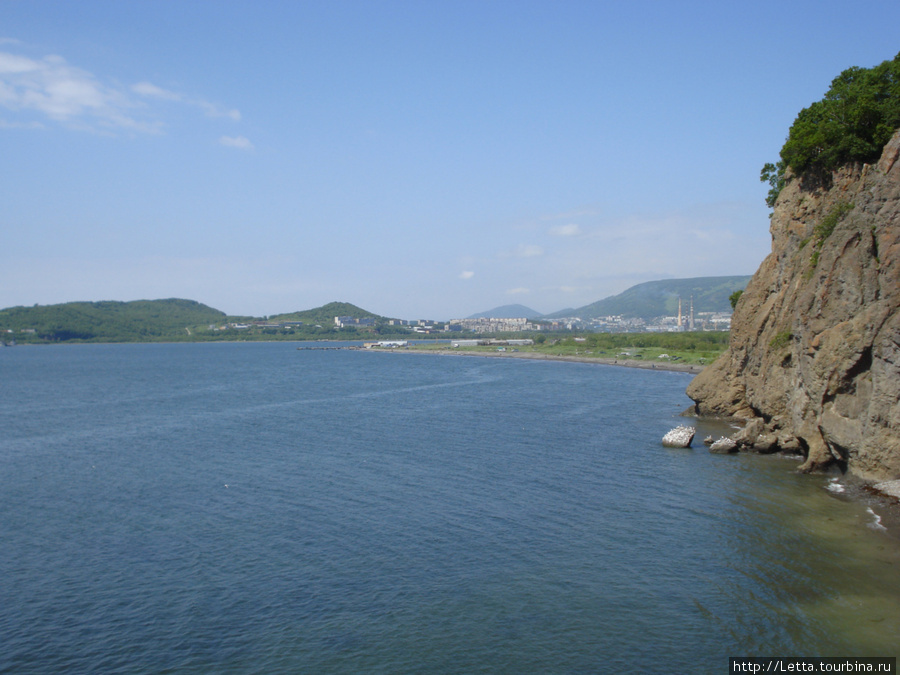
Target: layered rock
x=814, y=359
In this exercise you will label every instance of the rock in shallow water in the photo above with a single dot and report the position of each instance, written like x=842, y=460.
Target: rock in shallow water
x=724, y=446
x=891, y=487
x=679, y=437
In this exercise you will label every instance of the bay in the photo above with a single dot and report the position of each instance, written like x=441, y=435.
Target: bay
x=195, y=508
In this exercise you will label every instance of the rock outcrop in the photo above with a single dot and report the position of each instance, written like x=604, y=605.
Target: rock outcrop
x=813, y=365
x=679, y=437
x=723, y=446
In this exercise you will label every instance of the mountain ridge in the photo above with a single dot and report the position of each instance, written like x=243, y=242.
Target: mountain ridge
x=651, y=299
x=181, y=319
x=508, y=312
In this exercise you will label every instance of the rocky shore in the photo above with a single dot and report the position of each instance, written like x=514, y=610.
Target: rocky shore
x=813, y=365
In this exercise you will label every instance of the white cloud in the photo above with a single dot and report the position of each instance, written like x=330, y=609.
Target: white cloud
x=63, y=93
x=10, y=63
x=571, y=230
x=52, y=88
x=467, y=274
x=239, y=142
x=518, y=291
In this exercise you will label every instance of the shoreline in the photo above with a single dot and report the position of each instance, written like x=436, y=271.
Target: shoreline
x=886, y=497
x=621, y=363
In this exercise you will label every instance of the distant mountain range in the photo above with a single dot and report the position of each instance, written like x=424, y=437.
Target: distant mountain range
x=660, y=298
x=170, y=320
x=508, y=312
x=187, y=320
x=646, y=301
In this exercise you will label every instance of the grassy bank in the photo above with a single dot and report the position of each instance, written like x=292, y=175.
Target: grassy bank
x=686, y=348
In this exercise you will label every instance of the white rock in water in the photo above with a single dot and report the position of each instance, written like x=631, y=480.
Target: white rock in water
x=891, y=487
x=723, y=446
x=679, y=437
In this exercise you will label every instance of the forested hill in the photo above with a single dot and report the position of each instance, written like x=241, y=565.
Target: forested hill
x=173, y=320
x=325, y=314
x=660, y=298
x=135, y=321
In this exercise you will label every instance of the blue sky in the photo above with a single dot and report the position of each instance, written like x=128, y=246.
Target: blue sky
x=419, y=159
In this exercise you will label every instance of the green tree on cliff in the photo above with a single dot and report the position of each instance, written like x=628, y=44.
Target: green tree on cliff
x=852, y=123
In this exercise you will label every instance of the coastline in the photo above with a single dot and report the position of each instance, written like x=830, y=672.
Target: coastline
x=885, y=495
x=622, y=363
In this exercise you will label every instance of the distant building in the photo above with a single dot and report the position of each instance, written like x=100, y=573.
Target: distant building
x=350, y=321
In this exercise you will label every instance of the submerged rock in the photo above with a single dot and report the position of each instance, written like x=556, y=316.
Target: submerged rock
x=679, y=437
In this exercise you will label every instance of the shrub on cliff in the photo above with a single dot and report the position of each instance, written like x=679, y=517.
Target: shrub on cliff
x=852, y=123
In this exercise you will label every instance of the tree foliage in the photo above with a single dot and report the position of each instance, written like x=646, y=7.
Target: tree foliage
x=852, y=123
x=139, y=320
x=173, y=320
x=689, y=341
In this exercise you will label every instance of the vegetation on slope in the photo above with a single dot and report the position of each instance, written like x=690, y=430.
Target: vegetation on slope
x=140, y=320
x=325, y=314
x=178, y=321
x=852, y=123
x=660, y=298
x=695, y=348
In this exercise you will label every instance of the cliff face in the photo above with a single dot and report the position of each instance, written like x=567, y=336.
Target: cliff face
x=814, y=358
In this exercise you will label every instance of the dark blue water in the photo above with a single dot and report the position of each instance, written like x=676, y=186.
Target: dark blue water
x=252, y=508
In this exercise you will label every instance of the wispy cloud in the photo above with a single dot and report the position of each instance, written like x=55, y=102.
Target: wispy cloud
x=150, y=90
x=65, y=93
x=518, y=291
x=571, y=230
x=467, y=274
x=569, y=215
x=50, y=88
x=523, y=251
x=239, y=142
x=20, y=125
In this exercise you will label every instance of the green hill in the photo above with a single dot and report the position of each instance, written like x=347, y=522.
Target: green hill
x=108, y=321
x=168, y=321
x=325, y=314
x=660, y=298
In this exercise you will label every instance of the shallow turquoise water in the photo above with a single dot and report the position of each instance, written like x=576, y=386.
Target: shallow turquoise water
x=255, y=508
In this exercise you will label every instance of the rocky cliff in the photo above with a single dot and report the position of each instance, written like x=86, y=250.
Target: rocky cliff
x=814, y=359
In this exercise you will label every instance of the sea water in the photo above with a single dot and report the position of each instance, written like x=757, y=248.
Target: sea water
x=255, y=508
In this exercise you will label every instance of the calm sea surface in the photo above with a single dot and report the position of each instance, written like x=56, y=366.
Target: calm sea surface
x=254, y=508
